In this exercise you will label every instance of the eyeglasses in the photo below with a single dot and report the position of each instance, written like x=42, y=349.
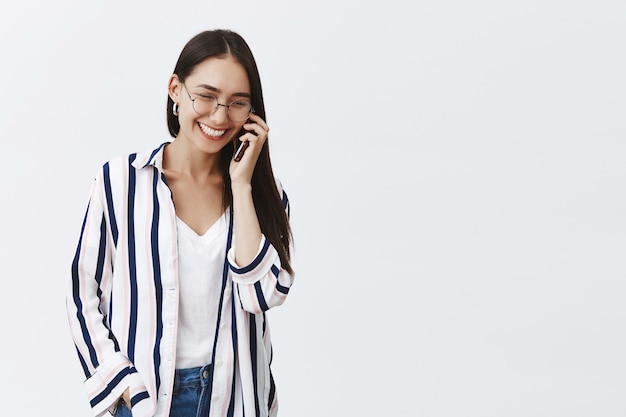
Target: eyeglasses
x=206, y=104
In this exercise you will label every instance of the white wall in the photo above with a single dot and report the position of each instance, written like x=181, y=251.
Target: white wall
x=456, y=173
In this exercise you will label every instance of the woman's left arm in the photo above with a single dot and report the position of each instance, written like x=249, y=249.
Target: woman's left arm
x=247, y=229
x=261, y=282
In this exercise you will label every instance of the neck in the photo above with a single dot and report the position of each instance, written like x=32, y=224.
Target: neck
x=179, y=157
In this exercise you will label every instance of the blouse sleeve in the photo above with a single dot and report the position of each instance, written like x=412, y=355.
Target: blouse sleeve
x=107, y=370
x=263, y=283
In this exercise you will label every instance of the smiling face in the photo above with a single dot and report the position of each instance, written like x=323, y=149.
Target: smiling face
x=223, y=78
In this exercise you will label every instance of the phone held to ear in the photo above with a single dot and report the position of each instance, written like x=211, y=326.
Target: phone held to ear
x=240, y=150
x=242, y=147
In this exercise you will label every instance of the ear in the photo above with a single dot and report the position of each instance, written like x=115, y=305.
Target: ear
x=173, y=88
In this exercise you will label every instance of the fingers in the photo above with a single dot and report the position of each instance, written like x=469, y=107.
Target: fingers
x=256, y=131
x=257, y=127
x=256, y=120
x=244, y=160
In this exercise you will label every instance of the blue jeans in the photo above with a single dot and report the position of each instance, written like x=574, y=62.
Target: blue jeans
x=190, y=397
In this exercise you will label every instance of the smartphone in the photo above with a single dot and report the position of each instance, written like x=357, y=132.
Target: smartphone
x=243, y=145
x=240, y=150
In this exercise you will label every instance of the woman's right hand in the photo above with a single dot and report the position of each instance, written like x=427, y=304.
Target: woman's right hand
x=126, y=397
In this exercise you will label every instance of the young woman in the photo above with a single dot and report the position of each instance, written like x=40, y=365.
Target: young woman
x=183, y=249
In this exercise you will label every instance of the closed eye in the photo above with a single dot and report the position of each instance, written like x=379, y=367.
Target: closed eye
x=240, y=104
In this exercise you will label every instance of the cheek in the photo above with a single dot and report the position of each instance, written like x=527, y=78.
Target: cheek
x=238, y=131
x=186, y=117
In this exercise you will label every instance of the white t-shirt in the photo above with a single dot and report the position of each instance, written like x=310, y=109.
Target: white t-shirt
x=200, y=270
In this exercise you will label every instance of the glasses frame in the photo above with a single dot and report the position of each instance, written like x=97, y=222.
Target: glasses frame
x=218, y=104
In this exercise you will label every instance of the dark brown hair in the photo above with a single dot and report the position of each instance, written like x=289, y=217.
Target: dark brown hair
x=267, y=202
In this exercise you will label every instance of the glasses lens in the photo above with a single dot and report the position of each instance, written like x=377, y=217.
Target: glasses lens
x=238, y=111
x=205, y=105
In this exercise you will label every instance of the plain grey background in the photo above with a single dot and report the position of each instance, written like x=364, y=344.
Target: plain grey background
x=456, y=173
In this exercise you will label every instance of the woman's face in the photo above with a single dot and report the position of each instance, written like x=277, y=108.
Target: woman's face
x=226, y=80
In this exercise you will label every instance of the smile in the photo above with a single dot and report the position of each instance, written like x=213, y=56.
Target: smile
x=211, y=132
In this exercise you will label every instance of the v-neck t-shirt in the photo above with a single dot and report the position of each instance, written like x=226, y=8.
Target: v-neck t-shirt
x=201, y=265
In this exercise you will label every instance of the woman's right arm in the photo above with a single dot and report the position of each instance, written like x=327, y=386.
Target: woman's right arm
x=107, y=370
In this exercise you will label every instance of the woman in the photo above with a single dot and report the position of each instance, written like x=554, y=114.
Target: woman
x=183, y=249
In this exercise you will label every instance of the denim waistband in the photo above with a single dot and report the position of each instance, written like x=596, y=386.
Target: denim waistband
x=192, y=377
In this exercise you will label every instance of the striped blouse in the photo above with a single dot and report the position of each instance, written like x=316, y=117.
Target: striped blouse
x=123, y=300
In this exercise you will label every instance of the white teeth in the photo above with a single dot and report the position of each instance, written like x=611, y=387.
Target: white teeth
x=211, y=132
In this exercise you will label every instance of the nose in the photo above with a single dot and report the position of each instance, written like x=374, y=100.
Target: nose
x=220, y=116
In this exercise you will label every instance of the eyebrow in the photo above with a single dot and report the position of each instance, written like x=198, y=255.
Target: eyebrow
x=217, y=90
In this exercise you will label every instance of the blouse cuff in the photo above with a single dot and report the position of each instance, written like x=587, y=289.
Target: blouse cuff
x=266, y=257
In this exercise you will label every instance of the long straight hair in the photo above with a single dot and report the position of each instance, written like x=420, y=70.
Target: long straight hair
x=267, y=202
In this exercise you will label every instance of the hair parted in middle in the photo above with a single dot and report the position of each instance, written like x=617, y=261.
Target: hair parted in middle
x=268, y=203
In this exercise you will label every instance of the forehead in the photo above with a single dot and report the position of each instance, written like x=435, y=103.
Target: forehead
x=224, y=73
